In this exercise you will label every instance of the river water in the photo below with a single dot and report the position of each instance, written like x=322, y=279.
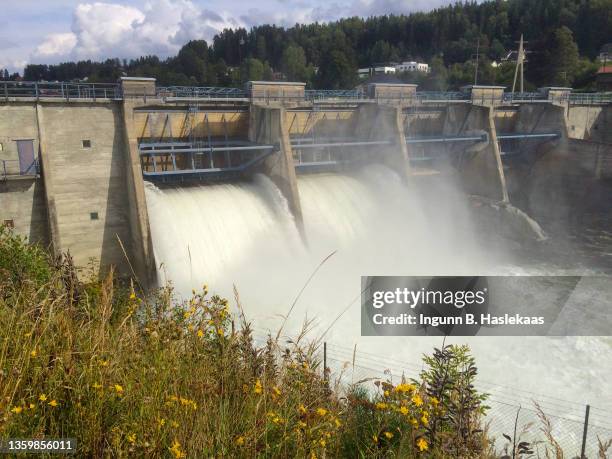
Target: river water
x=243, y=234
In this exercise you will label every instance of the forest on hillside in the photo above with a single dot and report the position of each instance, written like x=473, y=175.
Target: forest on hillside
x=563, y=39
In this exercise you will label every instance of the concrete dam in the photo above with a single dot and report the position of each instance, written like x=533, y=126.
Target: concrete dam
x=76, y=157
x=256, y=187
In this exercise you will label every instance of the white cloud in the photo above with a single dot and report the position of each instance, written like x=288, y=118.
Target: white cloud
x=100, y=27
x=132, y=28
x=102, y=30
x=56, y=44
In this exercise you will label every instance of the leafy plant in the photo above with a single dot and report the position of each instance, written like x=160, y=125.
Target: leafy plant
x=449, y=377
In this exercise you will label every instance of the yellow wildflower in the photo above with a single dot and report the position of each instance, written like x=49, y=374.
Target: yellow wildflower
x=97, y=386
x=403, y=410
x=17, y=409
x=422, y=444
x=425, y=418
x=174, y=424
x=337, y=422
x=32, y=406
x=53, y=403
x=302, y=409
x=276, y=390
x=176, y=450
x=321, y=411
x=389, y=435
x=42, y=397
x=33, y=353
x=131, y=438
x=302, y=424
x=386, y=393
x=200, y=333
x=258, y=389
x=118, y=389
x=404, y=387
x=240, y=441
x=375, y=438
x=103, y=363
x=132, y=295
x=322, y=443
x=161, y=422
x=434, y=401
x=220, y=331
x=417, y=400
x=381, y=406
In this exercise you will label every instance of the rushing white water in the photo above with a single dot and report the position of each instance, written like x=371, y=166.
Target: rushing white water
x=243, y=234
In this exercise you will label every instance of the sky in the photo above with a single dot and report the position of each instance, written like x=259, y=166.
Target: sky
x=52, y=31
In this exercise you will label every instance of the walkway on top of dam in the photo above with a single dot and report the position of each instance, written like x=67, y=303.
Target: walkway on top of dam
x=67, y=91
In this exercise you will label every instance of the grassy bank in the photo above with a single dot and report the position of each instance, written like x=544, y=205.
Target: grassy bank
x=132, y=377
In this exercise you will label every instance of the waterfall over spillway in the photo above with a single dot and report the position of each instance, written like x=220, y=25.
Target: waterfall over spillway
x=243, y=234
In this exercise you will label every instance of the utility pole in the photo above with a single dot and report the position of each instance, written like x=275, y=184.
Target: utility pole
x=520, y=59
x=476, y=68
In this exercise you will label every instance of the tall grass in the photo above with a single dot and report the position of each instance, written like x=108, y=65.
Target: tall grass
x=135, y=376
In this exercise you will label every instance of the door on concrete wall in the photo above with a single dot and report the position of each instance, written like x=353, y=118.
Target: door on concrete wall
x=25, y=150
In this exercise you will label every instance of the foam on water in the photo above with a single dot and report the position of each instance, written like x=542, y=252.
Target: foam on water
x=243, y=234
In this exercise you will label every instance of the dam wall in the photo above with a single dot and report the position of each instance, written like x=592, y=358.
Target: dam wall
x=384, y=122
x=590, y=122
x=75, y=200
x=267, y=125
x=479, y=165
x=92, y=156
x=22, y=200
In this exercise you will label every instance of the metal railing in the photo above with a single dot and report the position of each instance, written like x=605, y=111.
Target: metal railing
x=59, y=90
x=325, y=94
x=523, y=96
x=200, y=92
x=579, y=98
x=441, y=95
x=112, y=91
x=12, y=168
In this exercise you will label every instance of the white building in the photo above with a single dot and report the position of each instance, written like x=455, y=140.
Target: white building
x=412, y=66
x=380, y=70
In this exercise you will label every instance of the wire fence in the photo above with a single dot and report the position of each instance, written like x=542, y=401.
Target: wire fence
x=509, y=407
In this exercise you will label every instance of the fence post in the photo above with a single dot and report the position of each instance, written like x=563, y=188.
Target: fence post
x=325, y=361
x=584, y=432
